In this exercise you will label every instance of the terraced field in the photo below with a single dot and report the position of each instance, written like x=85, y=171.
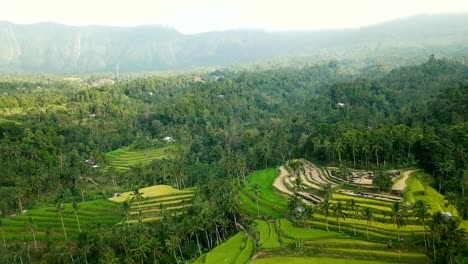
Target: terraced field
x=237, y=250
x=321, y=245
x=417, y=189
x=123, y=159
x=277, y=236
x=156, y=200
x=46, y=219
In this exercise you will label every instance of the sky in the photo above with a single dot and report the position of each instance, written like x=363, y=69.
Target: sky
x=194, y=16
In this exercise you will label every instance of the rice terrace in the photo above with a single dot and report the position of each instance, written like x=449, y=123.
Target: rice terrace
x=234, y=132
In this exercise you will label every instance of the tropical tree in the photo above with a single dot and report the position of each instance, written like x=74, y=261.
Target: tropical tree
x=398, y=216
x=3, y=231
x=298, y=184
x=421, y=211
x=76, y=206
x=294, y=206
x=142, y=247
x=354, y=208
x=435, y=225
x=368, y=215
x=60, y=207
x=257, y=192
x=138, y=196
x=125, y=207
x=339, y=212
x=325, y=207
x=31, y=225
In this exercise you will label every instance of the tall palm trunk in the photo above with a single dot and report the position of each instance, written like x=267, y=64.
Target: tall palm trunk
x=207, y=240
x=34, y=239
x=326, y=222
x=367, y=230
x=198, y=244
x=78, y=221
x=63, y=226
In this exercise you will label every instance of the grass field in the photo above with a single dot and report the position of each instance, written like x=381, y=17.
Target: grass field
x=418, y=189
x=311, y=260
x=156, y=199
x=237, y=250
x=123, y=159
x=268, y=235
x=46, y=219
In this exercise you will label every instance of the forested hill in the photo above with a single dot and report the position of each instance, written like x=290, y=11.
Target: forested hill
x=55, y=48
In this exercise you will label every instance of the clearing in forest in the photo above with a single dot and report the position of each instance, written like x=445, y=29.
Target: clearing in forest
x=123, y=159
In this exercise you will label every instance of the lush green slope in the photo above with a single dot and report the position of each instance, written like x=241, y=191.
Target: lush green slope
x=47, y=220
x=123, y=159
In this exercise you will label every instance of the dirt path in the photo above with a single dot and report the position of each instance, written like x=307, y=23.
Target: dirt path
x=279, y=181
x=400, y=185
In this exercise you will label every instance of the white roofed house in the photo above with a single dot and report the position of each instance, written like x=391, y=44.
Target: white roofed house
x=168, y=139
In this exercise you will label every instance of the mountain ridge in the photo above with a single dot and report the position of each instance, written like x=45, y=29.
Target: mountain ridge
x=56, y=48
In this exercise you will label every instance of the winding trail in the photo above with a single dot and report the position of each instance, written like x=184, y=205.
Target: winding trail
x=400, y=185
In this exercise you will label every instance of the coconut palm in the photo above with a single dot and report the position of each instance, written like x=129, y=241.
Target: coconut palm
x=354, y=208
x=338, y=211
x=59, y=208
x=421, y=211
x=398, y=216
x=125, y=208
x=31, y=225
x=257, y=193
x=138, y=196
x=3, y=231
x=325, y=207
x=368, y=214
x=76, y=206
x=141, y=249
x=435, y=226
x=298, y=184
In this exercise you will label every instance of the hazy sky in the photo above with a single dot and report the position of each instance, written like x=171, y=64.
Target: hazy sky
x=191, y=16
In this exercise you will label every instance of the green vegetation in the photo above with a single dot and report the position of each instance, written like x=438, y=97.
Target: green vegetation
x=48, y=223
x=305, y=260
x=123, y=159
x=237, y=249
x=417, y=190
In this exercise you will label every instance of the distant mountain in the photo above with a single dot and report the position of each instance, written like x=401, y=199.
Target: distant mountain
x=56, y=48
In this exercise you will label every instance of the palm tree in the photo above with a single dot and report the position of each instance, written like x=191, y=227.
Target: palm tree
x=172, y=245
x=141, y=249
x=354, y=208
x=125, y=208
x=338, y=146
x=368, y=214
x=308, y=212
x=296, y=166
x=398, y=216
x=297, y=184
x=60, y=207
x=3, y=231
x=338, y=211
x=435, y=226
x=293, y=205
x=325, y=209
x=32, y=227
x=138, y=196
x=257, y=193
x=421, y=211
x=377, y=148
x=76, y=206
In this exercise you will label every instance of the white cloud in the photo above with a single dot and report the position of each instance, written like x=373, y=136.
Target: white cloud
x=191, y=16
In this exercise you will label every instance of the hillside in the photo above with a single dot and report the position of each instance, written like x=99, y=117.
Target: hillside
x=56, y=48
